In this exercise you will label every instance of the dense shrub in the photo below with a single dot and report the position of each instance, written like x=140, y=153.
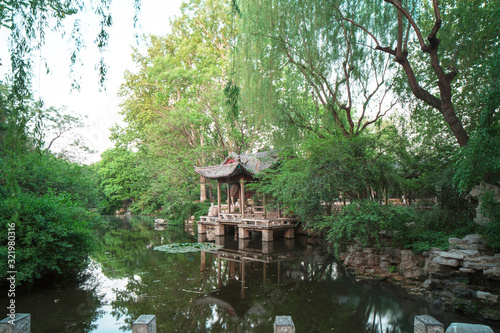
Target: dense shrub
x=433, y=227
x=178, y=212
x=491, y=230
x=53, y=234
x=413, y=229
x=363, y=220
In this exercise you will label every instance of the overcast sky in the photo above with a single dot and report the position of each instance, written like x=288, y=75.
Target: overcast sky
x=101, y=107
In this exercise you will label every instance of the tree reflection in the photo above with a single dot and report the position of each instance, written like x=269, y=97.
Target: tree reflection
x=240, y=288
x=314, y=290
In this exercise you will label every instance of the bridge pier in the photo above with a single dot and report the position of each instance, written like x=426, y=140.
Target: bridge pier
x=243, y=233
x=268, y=235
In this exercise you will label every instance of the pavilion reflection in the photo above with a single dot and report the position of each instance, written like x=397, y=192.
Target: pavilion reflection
x=254, y=282
x=240, y=259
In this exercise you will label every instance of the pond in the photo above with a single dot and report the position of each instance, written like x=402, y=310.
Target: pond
x=238, y=288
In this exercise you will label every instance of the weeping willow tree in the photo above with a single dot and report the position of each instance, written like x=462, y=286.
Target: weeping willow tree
x=53, y=232
x=27, y=23
x=302, y=65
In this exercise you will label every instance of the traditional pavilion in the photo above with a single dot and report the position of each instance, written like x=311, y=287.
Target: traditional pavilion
x=234, y=172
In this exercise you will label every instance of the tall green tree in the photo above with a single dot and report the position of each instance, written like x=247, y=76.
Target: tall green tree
x=301, y=63
x=440, y=47
x=342, y=53
x=174, y=105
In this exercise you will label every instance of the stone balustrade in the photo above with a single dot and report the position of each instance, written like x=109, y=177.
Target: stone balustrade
x=282, y=324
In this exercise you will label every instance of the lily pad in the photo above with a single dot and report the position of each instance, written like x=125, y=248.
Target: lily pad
x=187, y=247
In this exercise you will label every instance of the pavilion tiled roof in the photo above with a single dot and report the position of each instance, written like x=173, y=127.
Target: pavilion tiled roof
x=247, y=164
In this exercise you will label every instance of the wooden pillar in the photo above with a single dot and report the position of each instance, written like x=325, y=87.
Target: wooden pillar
x=218, y=271
x=203, y=189
x=279, y=211
x=203, y=265
x=290, y=233
x=264, y=205
x=242, y=278
x=228, y=199
x=242, y=198
x=218, y=197
x=279, y=271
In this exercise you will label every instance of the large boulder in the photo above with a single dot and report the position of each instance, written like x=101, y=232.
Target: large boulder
x=478, y=192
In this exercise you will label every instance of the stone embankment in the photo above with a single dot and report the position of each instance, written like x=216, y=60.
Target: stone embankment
x=465, y=277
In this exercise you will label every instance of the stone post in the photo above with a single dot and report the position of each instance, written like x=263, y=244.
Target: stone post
x=243, y=243
x=144, y=324
x=220, y=229
x=243, y=233
x=468, y=328
x=267, y=247
x=267, y=235
x=283, y=324
x=219, y=240
x=21, y=324
x=202, y=229
x=427, y=324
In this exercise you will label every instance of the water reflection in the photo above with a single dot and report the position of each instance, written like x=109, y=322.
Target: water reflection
x=256, y=282
x=239, y=288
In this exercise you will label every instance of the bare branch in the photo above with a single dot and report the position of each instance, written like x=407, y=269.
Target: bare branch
x=400, y=8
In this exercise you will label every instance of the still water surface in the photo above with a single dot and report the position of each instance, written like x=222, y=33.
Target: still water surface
x=239, y=288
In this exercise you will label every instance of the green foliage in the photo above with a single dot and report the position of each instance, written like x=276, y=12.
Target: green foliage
x=176, y=114
x=490, y=208
x=179, y=212
x=362, y=221
x=409, y=227
x=329, y=170
x=53, y=235
x=39, y=173
x=302, y=67
x=480, y=160
x=118, y=177
x=433, y=227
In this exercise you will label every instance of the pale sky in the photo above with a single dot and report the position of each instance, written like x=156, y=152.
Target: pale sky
x=101, y=108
